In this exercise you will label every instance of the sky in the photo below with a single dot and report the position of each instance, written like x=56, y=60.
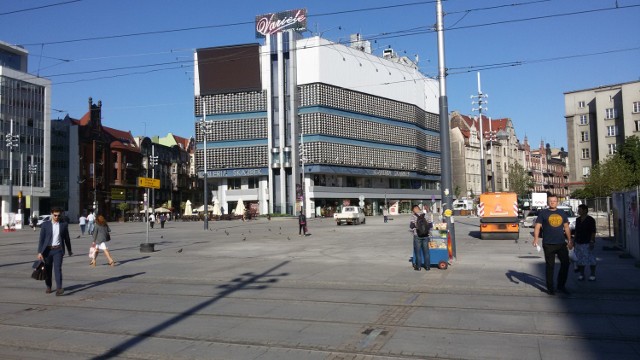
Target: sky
x=136, y=56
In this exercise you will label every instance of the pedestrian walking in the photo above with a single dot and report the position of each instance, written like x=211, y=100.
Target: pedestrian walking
x=152, y=220
x=91, y=219
x=101, y=235
x=385, y=213
x=83, y=223
x=163, y=219
x=585, y=240
x=555, y=228
x=54, y=235
x=420, y=228
x=302, y=224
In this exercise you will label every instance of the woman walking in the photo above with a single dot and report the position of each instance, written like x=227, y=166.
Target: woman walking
x=100, y=238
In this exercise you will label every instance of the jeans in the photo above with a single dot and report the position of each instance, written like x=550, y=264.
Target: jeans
x=53, y=261
x=421, y=252
x=550, y=252
x=82, y=228
x=91, y=227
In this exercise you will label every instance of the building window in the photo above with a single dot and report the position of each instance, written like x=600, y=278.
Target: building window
x=586, y=171
x=584, y=136
x=584, y=119
x=234, y=183
x=254, y=182
x=612, y=130
x=610, y=113
x=636, y=106
x=612, y=148
x=637, y=125
x=585, y=154
x=581, y=104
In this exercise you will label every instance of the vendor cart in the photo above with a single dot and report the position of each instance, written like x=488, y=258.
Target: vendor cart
x=439, y=247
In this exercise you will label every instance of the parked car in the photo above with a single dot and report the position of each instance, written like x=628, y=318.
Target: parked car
x=530, y=219
x=43, y=218
x=350, y=215
x=571, y=215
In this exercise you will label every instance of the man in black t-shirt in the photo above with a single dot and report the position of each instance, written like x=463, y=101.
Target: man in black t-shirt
x=555, y=226
x=585, y=238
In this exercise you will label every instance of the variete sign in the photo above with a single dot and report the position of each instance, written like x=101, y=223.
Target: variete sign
x=276, y=22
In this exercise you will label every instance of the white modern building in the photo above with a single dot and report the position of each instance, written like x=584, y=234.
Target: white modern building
x=25, y=113
x=304, y=123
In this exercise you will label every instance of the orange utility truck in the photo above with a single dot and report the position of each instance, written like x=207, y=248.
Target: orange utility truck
x=498, y=212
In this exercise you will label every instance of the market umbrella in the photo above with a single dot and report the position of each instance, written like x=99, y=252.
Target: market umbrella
x=187, y=208
x=240, y=207
x=216, y=207
x=162, y=210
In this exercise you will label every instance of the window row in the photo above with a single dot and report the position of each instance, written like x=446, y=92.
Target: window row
x=223, y=130
x=231, y=103
x=232, y=158
x=339, y=98
x=340, y=126
x=366, y=157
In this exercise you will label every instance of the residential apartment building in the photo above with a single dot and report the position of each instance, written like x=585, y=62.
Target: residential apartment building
x=501, y=150
x=598, y=120
x=548, y=169
x=25, y=108
x=307, y=121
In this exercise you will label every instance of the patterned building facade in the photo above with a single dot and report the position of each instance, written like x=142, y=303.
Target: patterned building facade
x=324, y=125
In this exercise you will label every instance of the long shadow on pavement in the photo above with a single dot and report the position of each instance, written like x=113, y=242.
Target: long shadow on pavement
x=81, y=287
x=247, y=281
x=517, y=277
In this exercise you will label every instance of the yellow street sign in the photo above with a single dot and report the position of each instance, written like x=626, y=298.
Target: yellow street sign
x=149, y=183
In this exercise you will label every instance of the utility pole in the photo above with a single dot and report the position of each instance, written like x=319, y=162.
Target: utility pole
x=480, y=102
x=32, y=171
x=445, y=144
x=12, y=142
x=153, y=161
x=302, y=181
x=206, y=129
x=491, y=137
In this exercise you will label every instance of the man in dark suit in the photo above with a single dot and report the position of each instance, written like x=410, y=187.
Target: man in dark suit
x=54, y=235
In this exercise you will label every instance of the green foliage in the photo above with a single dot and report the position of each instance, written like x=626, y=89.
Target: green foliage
x=581, y=194
x=457, y=191
x=519, y=180
x=123, y=207
x=629, y=151
x=613, y=174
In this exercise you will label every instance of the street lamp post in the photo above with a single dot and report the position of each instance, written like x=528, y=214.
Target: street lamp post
x=491, y=137
x=32, y=171
x=153, y=161
x=12, y=142
x=206, y=127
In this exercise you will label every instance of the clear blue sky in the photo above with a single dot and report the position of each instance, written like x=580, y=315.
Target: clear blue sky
x=158, y=99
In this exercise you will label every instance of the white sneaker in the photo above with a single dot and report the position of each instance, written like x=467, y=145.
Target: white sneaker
x=580, y=277
x=592, y=278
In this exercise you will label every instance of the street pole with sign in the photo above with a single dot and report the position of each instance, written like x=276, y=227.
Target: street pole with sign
x=147, y=183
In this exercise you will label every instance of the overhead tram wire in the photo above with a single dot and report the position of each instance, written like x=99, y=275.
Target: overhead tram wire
x=387, y=35
x=39, y=7
x=406, y=32
x=106, y=37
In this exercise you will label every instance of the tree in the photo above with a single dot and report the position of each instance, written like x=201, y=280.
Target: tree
x=610, y=175
x=519, y=180
x=629, y=151
x=457, y=191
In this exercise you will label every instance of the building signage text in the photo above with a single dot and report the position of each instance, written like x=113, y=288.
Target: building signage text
x=391, y=173
x=277, y=22
x=234, y=173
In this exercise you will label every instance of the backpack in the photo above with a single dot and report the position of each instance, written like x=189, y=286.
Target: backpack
x=422, y=226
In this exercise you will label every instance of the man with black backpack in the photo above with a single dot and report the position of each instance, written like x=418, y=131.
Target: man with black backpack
x=420, y=227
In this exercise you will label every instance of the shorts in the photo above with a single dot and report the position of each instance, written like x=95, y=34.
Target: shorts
x=102, y=246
